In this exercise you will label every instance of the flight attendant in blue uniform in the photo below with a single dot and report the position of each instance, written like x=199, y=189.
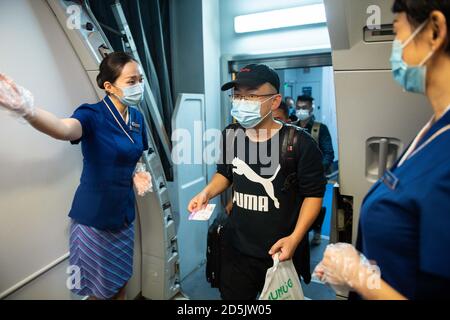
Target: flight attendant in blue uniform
x=404, y=228
x=113, y=137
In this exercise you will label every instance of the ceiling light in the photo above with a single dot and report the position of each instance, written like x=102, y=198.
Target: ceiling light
x=284, y=18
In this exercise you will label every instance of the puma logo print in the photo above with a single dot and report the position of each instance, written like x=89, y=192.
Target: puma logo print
x=241, y=168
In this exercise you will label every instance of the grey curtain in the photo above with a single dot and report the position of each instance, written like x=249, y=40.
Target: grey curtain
x=149, y=23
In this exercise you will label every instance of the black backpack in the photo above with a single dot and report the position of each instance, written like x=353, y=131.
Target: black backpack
x=215, y=241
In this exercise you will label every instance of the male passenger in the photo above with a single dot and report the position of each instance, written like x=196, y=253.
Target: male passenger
x=268, y=216
x=282, y=113
x=321, y=135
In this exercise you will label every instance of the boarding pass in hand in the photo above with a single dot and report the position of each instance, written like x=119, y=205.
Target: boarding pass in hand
x=203, y=214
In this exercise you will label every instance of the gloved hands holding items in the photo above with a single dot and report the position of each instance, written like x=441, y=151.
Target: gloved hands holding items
x=345, y=269
x=142, y=180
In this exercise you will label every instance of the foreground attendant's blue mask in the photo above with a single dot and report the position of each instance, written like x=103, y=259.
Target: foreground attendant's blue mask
x=411, y=78
x=132, y=96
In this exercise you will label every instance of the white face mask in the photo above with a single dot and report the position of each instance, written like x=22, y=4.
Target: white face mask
x=248, y=113
x=303, y=114
x=133, y=95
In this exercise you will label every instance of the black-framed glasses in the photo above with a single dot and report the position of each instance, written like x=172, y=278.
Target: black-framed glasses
x=251, y=97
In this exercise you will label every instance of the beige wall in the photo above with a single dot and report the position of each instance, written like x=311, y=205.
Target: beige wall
x=38, y=175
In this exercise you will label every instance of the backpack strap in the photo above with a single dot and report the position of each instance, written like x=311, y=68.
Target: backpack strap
x=290, y=156
x=315, y=132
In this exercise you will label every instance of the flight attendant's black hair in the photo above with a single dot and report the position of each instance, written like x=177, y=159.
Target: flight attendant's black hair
x=418, y=11
x=111, y=67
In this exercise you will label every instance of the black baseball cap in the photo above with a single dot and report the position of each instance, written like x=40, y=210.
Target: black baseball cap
x=254, y=76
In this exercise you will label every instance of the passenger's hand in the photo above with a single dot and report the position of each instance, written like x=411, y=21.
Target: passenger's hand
x=15, y=98
x=344, y=268
x=199, y=202
x=286, y=247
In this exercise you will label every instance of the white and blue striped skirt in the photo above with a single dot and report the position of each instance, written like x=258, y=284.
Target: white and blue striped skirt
x=104, y=259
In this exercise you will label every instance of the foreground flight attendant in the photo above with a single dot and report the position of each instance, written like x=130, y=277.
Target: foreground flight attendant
x=405, y=218
x=113, y=138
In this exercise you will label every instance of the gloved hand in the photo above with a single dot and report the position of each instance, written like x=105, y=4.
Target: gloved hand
x=15, y=98
x=142, y=180
x=345, y=269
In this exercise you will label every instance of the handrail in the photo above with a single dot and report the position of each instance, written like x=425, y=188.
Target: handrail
x=32, y=277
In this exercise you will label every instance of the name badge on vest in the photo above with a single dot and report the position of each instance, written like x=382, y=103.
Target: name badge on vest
x=390, y=180
x=136, y=127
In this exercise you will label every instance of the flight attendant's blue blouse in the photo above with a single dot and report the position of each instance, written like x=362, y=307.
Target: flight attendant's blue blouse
x=405, y=218
x=111, y=149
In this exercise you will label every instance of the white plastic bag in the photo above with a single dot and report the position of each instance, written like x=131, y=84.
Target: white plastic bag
x=282, y=282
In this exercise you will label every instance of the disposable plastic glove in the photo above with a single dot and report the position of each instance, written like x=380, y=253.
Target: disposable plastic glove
x=15, y=98
x=345, y=269
x=142, y=180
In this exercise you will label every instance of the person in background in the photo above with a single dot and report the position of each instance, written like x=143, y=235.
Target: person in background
x=282, y=113
x=405, y=218
x=321, y=134
x=319, y=131
x=290, y=103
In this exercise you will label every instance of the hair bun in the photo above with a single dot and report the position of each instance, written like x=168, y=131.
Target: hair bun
x=100, y=82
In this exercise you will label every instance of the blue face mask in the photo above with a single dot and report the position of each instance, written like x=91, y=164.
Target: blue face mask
x=133, y=95
x=411, y=78
x=248, y=113
x=303, y=114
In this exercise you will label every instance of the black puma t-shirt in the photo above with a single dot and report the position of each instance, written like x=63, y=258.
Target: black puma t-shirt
x=263, y=212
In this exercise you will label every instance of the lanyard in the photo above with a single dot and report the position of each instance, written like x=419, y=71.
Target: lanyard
x=120, y=125
x=412, y=151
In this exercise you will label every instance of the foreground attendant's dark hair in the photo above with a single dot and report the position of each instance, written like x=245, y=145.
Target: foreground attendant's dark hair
x=418, y=11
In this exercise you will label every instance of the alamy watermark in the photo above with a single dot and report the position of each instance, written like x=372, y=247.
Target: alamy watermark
x=374, y=20
x=74, y=279
x=213, y=146
x=74, y=17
